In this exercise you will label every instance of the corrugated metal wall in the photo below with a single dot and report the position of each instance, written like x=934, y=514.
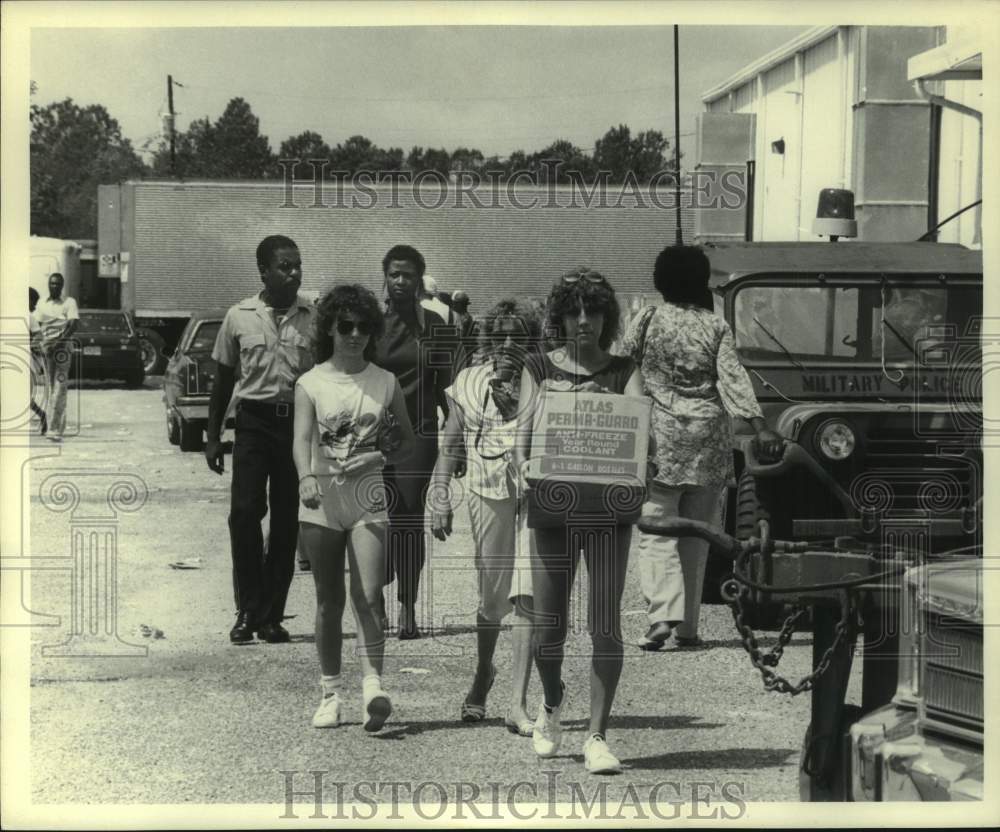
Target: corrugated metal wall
x=823, y=115
x=778, y=174
x=194, y=243
x=960, y=165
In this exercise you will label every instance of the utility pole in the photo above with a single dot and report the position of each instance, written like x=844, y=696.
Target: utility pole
x=677, y=140
x=170, y=109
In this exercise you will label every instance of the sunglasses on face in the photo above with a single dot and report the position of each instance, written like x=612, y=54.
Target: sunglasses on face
x=589, y=277
x=345, y=327
x=515, y=337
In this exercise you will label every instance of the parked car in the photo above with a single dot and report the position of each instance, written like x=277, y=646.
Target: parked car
x=188, y=381
x=106, y=346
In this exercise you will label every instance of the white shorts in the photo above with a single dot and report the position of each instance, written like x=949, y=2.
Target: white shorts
x=356, y=502
x=504, y=573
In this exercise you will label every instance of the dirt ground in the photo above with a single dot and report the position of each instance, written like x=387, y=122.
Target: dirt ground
x=169, y=712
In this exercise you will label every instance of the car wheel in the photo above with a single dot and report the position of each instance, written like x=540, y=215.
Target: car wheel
x=152, y=346
x=173, y=430
x=190, y=435
x=135, y=378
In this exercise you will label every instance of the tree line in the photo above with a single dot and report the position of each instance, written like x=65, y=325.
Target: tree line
x=74, y=149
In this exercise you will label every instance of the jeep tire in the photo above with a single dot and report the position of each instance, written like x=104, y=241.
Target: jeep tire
x=749, y=512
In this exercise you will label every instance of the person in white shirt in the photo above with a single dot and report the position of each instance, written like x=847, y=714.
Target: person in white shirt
x=57, y=318
x=482, y=420
x=429, y=300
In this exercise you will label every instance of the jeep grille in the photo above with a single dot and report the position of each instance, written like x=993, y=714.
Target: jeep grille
x=925, y=472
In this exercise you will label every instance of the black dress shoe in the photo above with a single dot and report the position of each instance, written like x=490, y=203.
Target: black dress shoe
x=242, y=631
x=273, y=633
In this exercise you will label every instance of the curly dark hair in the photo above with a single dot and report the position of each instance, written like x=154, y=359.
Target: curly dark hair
x=567, y=299
x=402, y=252
x=347, y=297
x=509, y=308
x=681, y=275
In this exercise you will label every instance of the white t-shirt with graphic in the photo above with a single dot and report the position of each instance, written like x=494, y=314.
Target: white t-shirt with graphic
x=352, y=413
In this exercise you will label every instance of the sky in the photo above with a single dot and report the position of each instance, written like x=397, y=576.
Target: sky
x=495, y=88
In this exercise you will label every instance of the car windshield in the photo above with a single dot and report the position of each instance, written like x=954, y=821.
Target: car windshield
x=105, y=322
x=203, y=340
x=902, y=321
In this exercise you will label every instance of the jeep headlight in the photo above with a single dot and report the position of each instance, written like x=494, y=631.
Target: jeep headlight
x=836, y=440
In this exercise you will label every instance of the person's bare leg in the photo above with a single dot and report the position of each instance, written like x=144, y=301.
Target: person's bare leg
x=606, y=572
x=520, y=660
x=553, y=571
x=325, y=549
x=366, y=558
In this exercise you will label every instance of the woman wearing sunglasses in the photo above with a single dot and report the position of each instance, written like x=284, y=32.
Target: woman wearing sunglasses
x=584, y=312
x=350, y=421
x=482, y=419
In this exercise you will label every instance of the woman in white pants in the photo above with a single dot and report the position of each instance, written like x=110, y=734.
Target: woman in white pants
x=691, y=371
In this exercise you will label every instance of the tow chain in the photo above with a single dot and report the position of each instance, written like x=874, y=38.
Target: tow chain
x=766, y=661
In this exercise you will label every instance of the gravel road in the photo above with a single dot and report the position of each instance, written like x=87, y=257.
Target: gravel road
x=185, y=717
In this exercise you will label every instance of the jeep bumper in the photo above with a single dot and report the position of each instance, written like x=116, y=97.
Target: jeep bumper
x=890, y=760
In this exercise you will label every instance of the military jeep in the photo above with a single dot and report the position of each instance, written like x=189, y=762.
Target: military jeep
x=866, y=358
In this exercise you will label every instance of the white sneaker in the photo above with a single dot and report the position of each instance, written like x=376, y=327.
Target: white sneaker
x=547, y=734
x=328, y=713
x=597, y=757
x=378, y=707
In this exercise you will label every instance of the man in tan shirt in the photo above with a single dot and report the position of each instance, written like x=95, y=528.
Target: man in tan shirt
x=264, y=345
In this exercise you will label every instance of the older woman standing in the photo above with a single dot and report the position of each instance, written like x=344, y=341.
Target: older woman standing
x=415, y=347
x=691, y=371
x=481, y=427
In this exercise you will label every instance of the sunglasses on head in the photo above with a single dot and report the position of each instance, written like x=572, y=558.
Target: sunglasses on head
x=345, y=327
x=588, y=276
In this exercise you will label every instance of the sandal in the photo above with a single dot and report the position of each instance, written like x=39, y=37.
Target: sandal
x=471, y=712
x=656, y=636
x=522, y=729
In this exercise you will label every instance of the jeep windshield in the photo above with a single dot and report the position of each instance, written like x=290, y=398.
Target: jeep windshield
x=903, y=321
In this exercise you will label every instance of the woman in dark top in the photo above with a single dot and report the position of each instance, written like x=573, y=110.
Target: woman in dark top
x=583, y=310
x=420, y=349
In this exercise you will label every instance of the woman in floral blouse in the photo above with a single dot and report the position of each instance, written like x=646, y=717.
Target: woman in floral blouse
x=691, y=371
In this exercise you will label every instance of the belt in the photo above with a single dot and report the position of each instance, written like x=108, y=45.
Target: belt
x=281, y=410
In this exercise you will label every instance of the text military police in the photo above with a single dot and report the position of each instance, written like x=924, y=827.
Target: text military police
x=268, y=340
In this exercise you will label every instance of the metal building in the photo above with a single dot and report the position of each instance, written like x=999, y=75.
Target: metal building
x=840, y=107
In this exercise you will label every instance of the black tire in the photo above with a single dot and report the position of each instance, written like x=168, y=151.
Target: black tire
x=190, y=435
x=173, y=430
x=749, y=513
x=135, y=378
x=153, y=347
x=837, y=787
